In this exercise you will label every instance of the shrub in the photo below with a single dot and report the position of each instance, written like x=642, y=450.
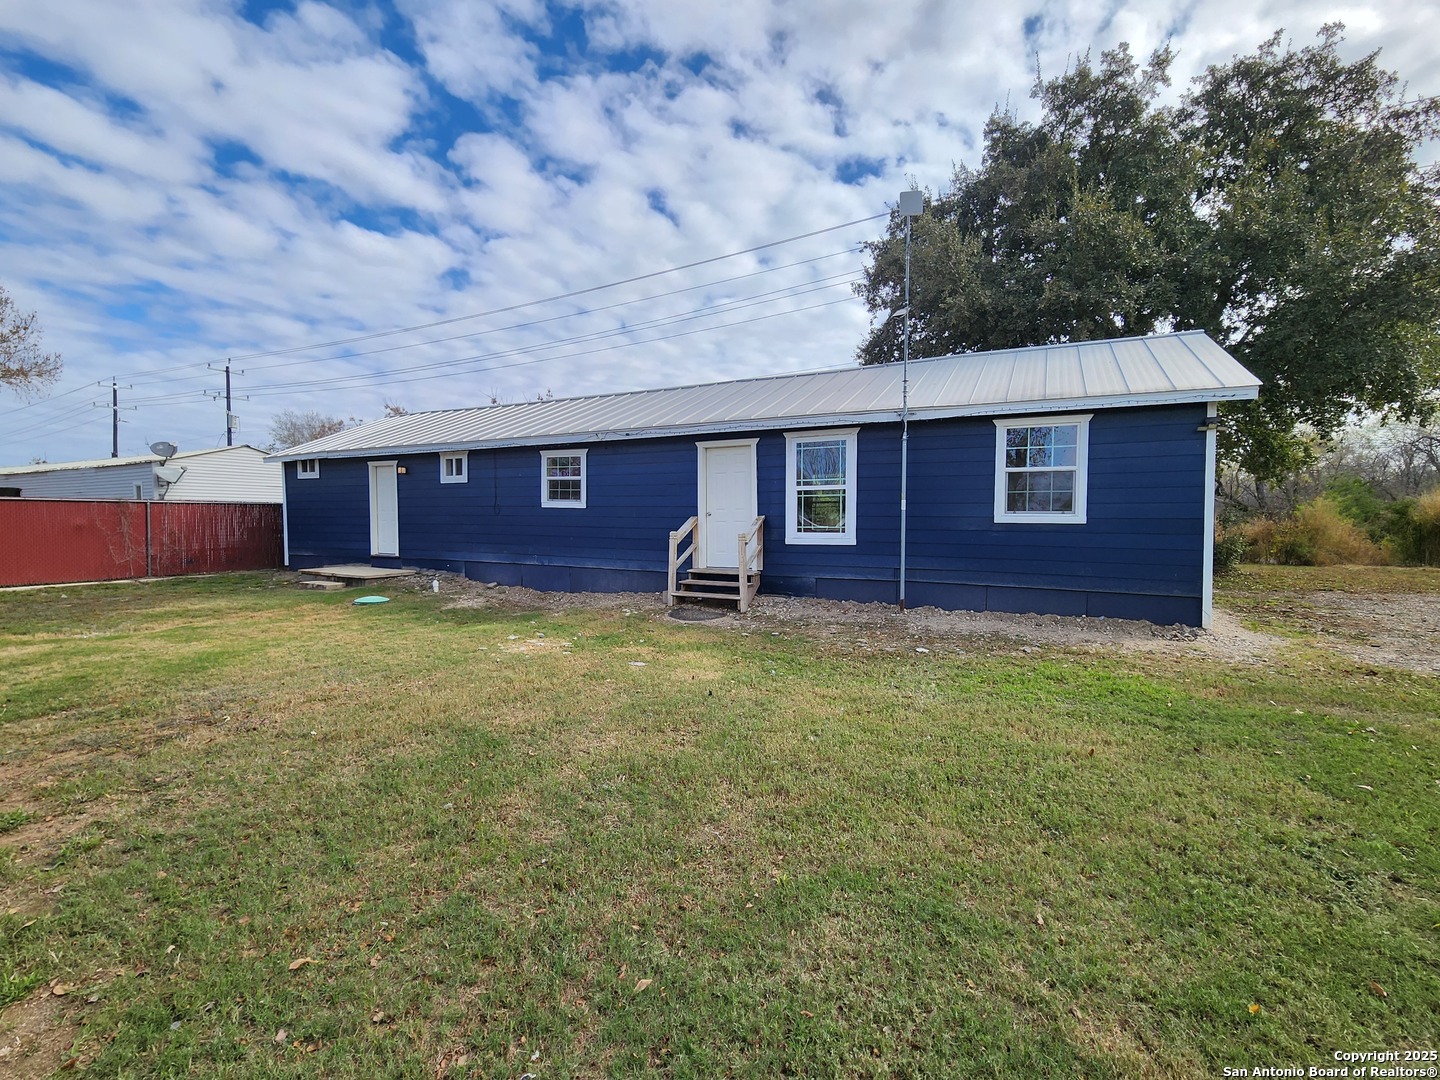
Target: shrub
x=1425, y=517
x=1317, y=534
x=1231, y=548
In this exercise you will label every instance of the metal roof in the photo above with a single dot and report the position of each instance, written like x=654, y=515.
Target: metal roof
x=1164, y=369
x=108, y=462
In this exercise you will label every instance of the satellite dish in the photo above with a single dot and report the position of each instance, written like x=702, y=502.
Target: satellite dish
x=169, y=474
x=164, y=449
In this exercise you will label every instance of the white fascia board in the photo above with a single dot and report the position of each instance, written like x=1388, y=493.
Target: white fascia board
x=880, y=416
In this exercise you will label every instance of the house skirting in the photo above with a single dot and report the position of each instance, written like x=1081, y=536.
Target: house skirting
x=1161, y=609
x=1158, y=608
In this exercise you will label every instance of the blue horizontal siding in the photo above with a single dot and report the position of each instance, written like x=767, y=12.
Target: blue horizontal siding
x=328, y=518
x=1143, y=538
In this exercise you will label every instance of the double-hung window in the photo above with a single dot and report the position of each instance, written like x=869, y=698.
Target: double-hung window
x=307, y=469
x=820, y=486
x=562, y=478
x=1040, y=469
x=453, y=468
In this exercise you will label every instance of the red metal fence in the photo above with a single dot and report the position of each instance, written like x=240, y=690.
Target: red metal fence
x=45, y=541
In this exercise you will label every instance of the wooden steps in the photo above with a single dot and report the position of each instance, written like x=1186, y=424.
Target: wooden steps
x=715, y=585
x=709, y=583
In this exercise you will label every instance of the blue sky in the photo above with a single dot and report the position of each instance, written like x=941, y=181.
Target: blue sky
x=183, y=181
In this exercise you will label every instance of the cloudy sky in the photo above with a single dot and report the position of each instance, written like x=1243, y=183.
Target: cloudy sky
x=429, y=202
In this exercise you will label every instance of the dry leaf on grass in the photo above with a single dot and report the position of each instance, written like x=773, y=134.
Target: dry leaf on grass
x=60, y=989
x=281, y=1036
x=642, y=984
x=1254, y=1008
x=1378, y=990
x=296, y=965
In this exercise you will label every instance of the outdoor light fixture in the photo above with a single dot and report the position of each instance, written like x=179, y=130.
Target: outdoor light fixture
x=912, y=205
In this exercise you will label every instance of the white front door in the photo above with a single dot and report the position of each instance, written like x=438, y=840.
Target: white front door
x=727, y=500
x=384, y=509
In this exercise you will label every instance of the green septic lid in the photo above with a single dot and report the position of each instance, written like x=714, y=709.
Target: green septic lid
x=372, y=600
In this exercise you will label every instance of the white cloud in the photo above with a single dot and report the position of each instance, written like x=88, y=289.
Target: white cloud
x=347, y=202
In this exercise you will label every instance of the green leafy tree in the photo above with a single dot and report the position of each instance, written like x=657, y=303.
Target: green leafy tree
x=1278, y=207
x=24, y=367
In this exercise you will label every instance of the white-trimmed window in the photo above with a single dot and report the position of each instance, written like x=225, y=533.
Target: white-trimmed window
x=454, y=468
x=307, y=469
x=562, y=478
x=820, y=486
x=1040, y=469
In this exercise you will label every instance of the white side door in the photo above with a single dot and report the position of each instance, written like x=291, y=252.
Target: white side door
x=727, y=500
x=384, y=509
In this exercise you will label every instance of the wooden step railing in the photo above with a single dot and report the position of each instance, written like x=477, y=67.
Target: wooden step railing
x=678, y=557
x=707, y=581
x=751, y=551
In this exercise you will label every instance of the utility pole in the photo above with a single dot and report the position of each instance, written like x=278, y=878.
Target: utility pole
x=230, y=417
x=115, y=389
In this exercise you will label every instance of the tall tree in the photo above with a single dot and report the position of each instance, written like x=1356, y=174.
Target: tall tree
x=24, y=368
x=1278, y=207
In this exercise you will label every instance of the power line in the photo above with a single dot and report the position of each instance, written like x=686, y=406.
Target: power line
x=560, y=296
x=566, y=315
x=528, y=324
x=576, y=339
x=608, y=348
x=695, y=313
x=155, y=374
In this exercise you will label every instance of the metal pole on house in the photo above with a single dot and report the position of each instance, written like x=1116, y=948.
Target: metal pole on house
x=229, y=427
x=911, y=205
x=114, y=418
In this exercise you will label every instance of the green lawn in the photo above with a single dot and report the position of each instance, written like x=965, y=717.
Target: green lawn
x=621, y=845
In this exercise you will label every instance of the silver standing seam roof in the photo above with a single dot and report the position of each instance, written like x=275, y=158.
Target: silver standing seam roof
x=1161, y=370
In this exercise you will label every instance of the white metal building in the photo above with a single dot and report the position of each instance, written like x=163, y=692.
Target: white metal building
x=226, y=474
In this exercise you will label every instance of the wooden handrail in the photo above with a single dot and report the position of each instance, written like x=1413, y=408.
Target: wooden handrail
x=744, y=559
x=677, y=557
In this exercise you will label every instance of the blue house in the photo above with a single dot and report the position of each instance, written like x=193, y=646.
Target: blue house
x=1067, y=479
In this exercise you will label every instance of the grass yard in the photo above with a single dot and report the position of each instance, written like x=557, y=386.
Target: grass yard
x=252, y=831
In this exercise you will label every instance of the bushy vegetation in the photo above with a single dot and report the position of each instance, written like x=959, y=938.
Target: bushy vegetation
x=1317, y=534
x=1372, y=496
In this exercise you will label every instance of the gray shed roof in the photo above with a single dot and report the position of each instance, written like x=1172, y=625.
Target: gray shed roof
x=1165, y=369
x=110, y=462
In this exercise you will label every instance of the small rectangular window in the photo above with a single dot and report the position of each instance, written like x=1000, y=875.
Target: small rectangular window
x=820, y=486
x=307, y=469
x=453, y=468
x=139, y=491
x=1040, y=469
x=562, y=478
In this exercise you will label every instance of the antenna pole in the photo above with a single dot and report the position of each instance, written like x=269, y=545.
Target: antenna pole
x=912, y=204
x=229, y=427
x=114, y=418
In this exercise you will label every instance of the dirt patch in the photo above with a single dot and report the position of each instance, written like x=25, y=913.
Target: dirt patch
x=876, y=627
x=36, y=1036
x=1392, y=630
x=1389, y=629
